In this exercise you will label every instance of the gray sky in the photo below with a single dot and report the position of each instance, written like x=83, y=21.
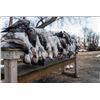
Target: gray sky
x=76, y=28
x=73, y=27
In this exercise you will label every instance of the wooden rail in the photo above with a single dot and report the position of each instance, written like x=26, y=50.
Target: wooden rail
x=11, y=74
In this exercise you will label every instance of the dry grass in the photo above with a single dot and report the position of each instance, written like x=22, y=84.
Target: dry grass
x=88, y=70
x=93, y=53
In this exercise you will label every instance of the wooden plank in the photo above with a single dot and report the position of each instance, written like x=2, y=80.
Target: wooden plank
x=30, y=68
x=11, y=54
x=45, y=71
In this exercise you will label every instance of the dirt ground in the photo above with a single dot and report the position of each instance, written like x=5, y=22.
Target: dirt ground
x=88, y=71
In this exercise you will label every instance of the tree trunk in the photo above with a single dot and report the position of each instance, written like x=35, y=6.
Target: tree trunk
x=84, y=41
x=10, y=21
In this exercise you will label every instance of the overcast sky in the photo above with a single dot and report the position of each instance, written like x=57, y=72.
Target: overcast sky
x=76, y=28
x=73, y=28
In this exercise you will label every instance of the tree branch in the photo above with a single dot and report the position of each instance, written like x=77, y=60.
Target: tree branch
x=43, y=25
x=41, y=20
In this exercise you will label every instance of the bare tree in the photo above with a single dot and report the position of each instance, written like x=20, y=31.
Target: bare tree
x=91, y=39
x=44, y=21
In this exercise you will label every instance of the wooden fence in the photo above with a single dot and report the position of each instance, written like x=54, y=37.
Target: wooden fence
x=13, y=73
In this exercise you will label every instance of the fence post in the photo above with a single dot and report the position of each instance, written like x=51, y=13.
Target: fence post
x=76, y=67
x=10, y=64
x=10, y=71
